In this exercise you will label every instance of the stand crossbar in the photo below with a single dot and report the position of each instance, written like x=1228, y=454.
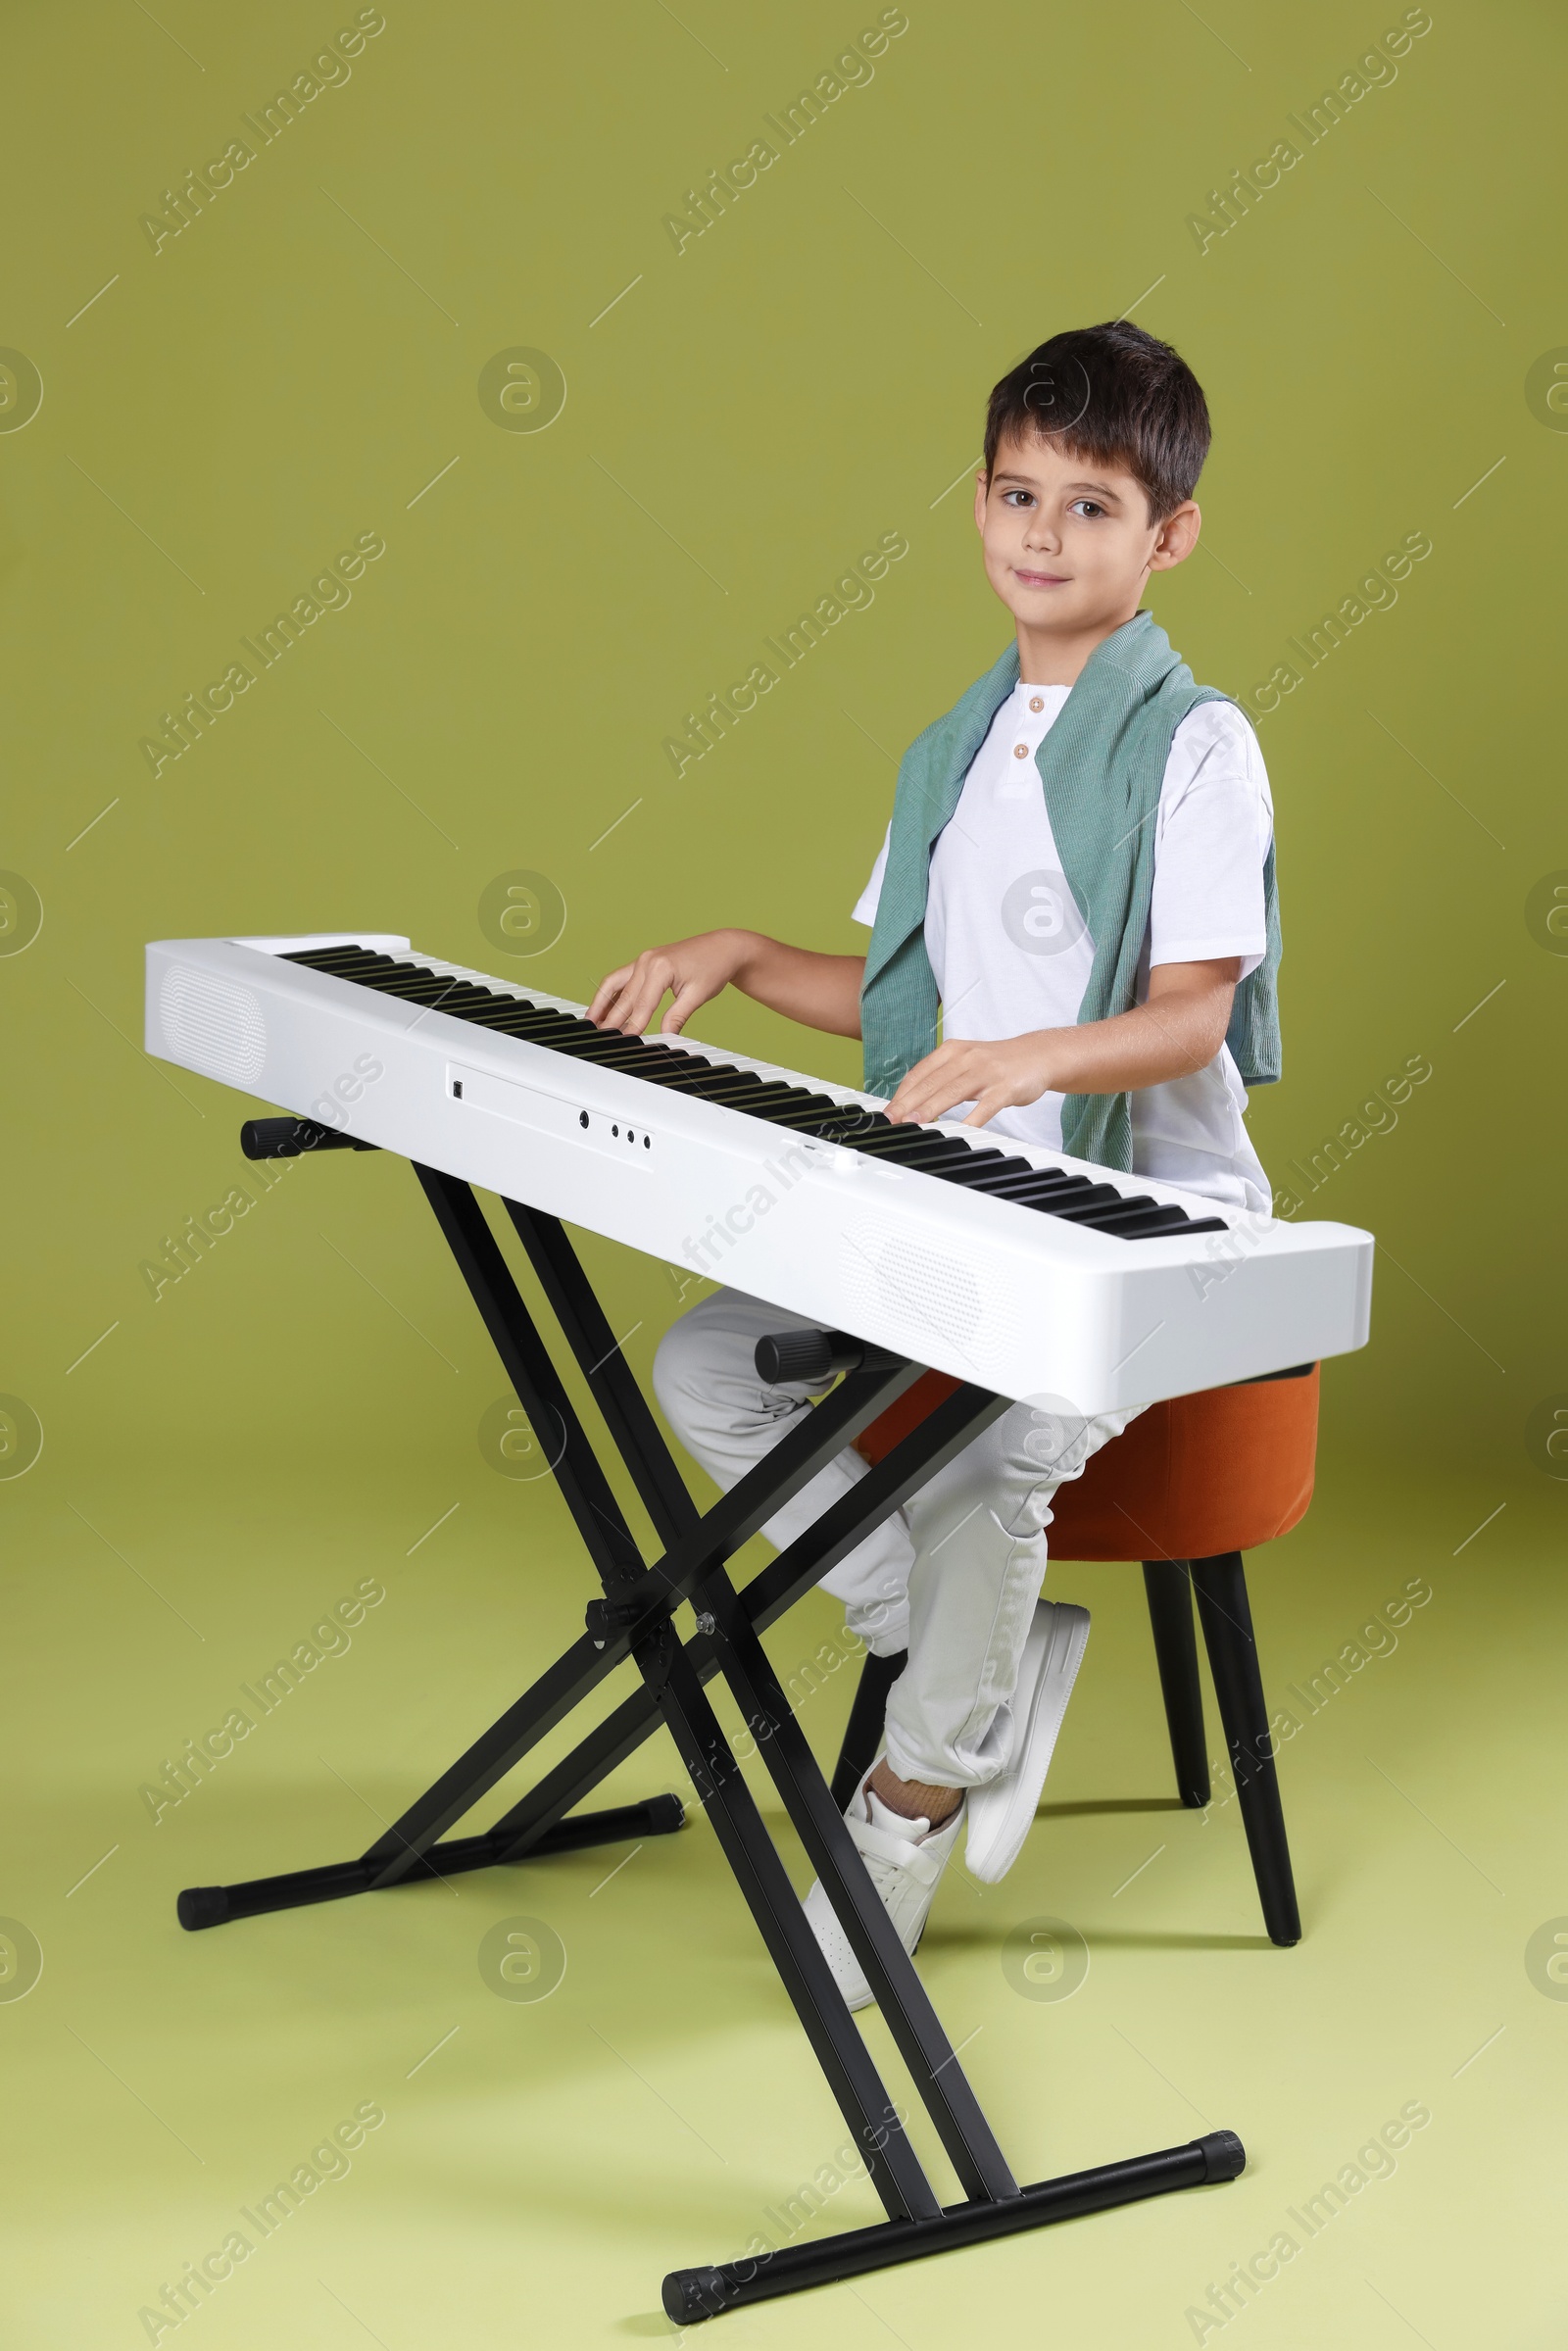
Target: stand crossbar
x=634, y=1621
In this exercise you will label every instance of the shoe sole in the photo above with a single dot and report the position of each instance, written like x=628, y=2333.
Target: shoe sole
x=999, y=1826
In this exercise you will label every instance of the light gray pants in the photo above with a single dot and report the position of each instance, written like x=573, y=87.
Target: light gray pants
x=952, y=1575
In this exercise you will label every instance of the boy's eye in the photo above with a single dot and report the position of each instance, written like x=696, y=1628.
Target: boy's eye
x=1085, y=506
x=1008, y=497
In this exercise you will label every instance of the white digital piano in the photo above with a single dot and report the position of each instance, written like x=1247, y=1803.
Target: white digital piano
x=1039, y=1276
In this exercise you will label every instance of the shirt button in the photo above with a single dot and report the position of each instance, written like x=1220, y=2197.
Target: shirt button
x=1020, y=750
x=1035, y=703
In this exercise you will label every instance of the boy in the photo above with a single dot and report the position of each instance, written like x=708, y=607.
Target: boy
x=1079, y=868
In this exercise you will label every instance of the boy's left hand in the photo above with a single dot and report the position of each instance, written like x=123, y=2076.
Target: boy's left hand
x=1178, y=1029
x=1001, y=1075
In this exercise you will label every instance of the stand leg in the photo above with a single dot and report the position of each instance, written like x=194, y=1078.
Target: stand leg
x=907, y=2010
x=1227, y=1619
x=862, y=1733
x=841, y=2052
x=581, y=1317
x=1170, y=1612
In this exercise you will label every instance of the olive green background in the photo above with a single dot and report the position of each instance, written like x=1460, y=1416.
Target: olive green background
x=743, y=418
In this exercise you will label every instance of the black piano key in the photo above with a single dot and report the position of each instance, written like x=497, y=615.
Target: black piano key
x=1095, y=1196
x=825, y=1119
x=806, y=1111
x=638, y=1061
x=500, y=1013
x=1019, y=1175
x=602, y=1055
x=418, y=987
x=678, y=1073
x=536, y=1022
x=711, y=1081
x=1125, y=1203
x=1043, y=1185
x=590, y=1048
x=986, y=1169
x=332, y=958
x=900, y=1138
x=913, y=1147
x=1163, y=1217
x=769, y=1102
x=458, y=1004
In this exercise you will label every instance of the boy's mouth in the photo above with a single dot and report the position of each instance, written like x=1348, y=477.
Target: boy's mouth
x=1040, y=579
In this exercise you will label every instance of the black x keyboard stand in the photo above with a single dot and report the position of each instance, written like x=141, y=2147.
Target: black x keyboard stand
x=634, y=1619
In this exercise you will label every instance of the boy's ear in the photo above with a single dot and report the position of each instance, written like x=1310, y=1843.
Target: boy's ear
x=982, y=482
x=1177, y=537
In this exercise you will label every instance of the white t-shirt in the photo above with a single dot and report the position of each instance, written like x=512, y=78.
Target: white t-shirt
x=1011, y=954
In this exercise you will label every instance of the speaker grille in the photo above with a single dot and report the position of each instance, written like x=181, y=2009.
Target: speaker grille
x=212, y=1025
x=916, y=1292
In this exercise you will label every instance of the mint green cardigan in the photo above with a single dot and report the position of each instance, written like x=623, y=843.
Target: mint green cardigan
x=1100, y=766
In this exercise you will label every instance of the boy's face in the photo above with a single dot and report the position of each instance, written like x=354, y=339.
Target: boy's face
x=1068, y=543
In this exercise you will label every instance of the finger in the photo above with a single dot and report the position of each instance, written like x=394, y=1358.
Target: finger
x=642, y=1014
x=927, y=1084
x=644, y=994
x=690, y=995
x=607, y=992
x=634, y=979
x=931, y=1102
x=622, y=1013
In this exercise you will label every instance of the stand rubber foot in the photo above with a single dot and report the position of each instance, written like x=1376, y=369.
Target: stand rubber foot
x=203, y=1907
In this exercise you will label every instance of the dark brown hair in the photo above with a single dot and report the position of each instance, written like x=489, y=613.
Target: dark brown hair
x=1116, y=396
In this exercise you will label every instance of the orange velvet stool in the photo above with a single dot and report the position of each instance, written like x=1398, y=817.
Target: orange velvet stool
x=1189, y=1486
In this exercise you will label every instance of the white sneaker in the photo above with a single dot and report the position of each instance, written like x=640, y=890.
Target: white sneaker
x=1001, y=1812
x=905, y=1860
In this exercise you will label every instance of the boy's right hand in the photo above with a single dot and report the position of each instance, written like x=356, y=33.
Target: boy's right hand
x=692, y=972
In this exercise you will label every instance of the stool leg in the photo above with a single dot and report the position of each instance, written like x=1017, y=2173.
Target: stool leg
x=862, y=1733
x=1227, y=1620
x=1170, y=1612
